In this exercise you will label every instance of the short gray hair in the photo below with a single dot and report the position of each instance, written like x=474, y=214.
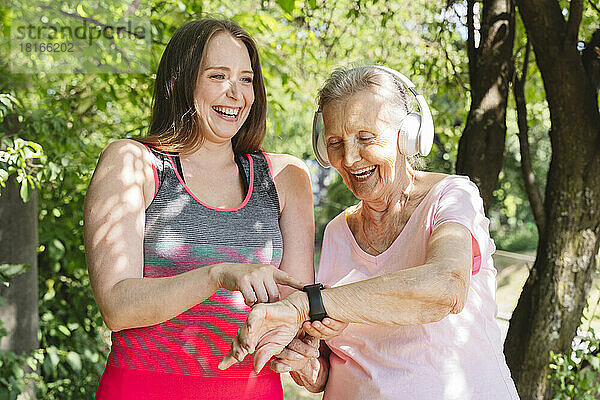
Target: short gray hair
x=344, y=82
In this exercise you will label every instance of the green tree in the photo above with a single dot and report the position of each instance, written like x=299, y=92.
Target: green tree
x=552, y=301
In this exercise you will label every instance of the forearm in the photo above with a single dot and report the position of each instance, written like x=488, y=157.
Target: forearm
x=416, y=295
x=138, y=302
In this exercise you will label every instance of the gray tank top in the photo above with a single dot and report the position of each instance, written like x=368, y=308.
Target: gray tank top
x=181, y=234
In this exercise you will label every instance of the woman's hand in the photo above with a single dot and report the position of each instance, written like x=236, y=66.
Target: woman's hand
x=298, y=356
x=256, y=282
x=324, y=330
x=267, y=330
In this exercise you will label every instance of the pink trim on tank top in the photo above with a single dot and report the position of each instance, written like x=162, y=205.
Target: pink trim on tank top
x=248, y=195
x=269, y=164
x=155, y=173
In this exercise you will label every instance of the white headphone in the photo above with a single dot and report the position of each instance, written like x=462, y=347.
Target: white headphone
x=415, y=135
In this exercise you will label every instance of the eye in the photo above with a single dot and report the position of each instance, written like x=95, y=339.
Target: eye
x=247, y=79
x=365, y=136
x=217, y=76
x=334, y=142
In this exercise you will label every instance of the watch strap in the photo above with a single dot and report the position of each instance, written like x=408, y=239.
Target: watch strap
x=315, y=302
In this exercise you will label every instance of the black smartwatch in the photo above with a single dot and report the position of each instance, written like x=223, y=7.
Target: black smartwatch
x=315, y=302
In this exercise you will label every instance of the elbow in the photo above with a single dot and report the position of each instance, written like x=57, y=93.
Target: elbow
x=112, y=321
x=451, y=299
x=456, y=292
x=315, y=389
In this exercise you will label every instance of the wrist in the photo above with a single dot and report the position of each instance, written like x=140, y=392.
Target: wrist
x=214, y=275
x=315, y=302
x=299, y=301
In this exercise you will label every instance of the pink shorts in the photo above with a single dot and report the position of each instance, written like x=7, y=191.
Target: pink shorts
x=129, y=384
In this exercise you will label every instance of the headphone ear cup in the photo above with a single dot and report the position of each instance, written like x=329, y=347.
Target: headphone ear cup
x=408, y=135
x=318, y=140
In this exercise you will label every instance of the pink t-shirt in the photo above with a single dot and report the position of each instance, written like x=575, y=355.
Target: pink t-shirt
x=459, y=357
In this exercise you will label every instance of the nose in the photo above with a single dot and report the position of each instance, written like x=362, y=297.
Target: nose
x=233, y=91
x=351, y=153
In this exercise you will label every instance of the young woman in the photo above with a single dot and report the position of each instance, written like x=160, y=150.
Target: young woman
x=186, y=228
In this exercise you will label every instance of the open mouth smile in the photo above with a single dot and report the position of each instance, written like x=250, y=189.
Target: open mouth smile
x=228, y=113
x=364, y=173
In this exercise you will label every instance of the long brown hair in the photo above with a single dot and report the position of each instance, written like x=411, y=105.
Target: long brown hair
x=175, y=123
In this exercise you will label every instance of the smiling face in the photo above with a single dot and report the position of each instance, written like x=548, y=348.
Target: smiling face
x=361, y=134
x=224, y=93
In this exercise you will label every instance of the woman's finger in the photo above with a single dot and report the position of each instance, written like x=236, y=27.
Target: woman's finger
x=248, y=293
x=279, y=366
x=263, y=355
x=325, y=331
x=290, y=355
x=310, y=330
x=334, y=324
x=319, y=331
x=304, y=349
x=260, y=291
x=286, y=279
x=272, y=290
x=236, y=354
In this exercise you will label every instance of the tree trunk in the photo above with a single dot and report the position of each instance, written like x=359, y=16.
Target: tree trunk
x=18, y=245
x=552, y=302
x=481, y=146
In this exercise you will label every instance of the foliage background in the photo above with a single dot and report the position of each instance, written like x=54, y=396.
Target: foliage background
x=73, y=116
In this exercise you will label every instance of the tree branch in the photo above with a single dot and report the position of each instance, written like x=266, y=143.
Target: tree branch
x=533, y=192
x=575, y=14
x=471, y=50
x=456, y=73
x=595, y=7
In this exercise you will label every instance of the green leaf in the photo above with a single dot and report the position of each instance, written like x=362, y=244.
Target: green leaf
x=25, y=191
x=74, y=361
x=287, y=5
x=594, y=362
x=9, y=271
x=56, y=249
x=64, y=330
x=3, y=175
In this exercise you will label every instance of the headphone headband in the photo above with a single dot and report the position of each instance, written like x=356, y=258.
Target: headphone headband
x=415, y=135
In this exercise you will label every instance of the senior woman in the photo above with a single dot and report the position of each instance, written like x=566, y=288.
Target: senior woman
x=409, y=266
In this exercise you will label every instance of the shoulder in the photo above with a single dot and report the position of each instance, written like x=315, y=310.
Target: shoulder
x=339, y=224
x=123, y=151
x=124, y=163
x=426, y=182
x=285, y=162
x=289, y=172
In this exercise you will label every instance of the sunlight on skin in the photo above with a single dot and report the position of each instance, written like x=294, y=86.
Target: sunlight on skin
x=412, y=296
x=107, y=216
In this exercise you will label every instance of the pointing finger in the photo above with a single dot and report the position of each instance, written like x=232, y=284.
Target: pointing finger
x=284, y=278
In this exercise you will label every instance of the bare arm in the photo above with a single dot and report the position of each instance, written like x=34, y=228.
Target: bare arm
x=418, y=295
x=297, y=225
x=114, y=215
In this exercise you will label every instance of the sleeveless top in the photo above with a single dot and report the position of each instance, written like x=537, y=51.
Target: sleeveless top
x=180, y=356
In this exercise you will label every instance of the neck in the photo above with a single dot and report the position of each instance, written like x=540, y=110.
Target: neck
x=211, y=155
x=388, y=210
